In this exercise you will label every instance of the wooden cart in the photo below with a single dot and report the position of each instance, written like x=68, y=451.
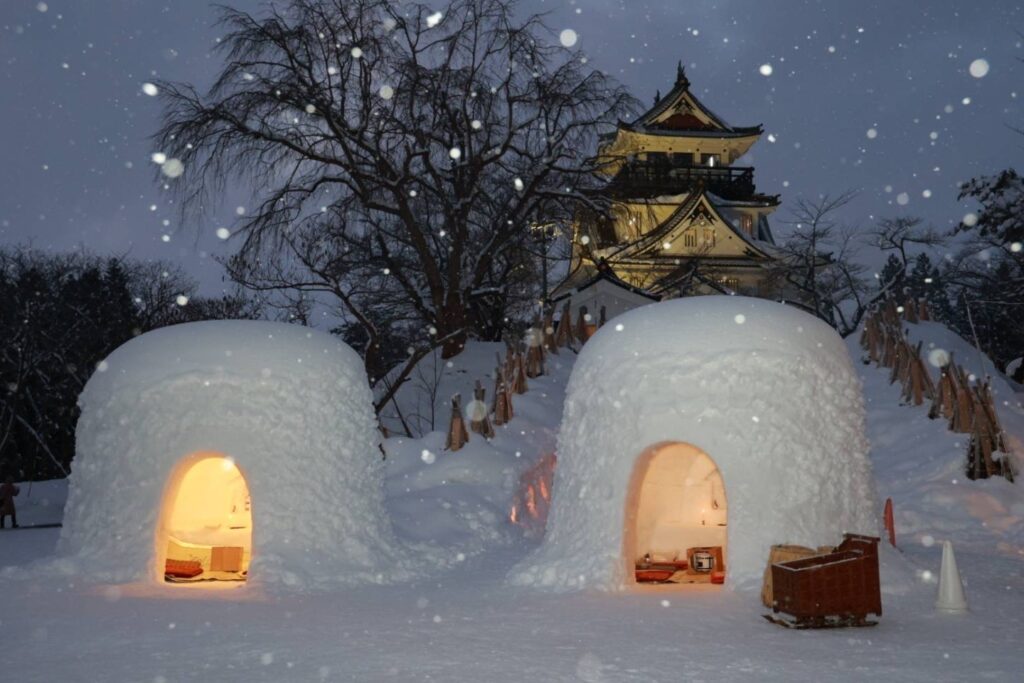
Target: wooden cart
x=837, y=589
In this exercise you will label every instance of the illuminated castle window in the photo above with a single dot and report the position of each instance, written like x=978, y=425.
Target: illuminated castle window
x=747, y=223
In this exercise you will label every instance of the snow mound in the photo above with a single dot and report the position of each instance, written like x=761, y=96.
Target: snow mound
x=289, y=405
x=765, y=390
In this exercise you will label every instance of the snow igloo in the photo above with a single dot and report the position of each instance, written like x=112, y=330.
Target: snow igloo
x=696, y=434
x=226, y=450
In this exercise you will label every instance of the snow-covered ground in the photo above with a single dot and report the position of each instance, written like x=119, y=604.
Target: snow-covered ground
x=466, y=623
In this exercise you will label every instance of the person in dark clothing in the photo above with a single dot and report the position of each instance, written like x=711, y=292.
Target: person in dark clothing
x=7, y=493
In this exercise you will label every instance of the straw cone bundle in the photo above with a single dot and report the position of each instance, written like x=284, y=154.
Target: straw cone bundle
x=582, y=331
x=480, y=420
x=563, y=333
x=550, y=345
x=502, y=409
x=910, y=311
x=457, y=434
x=535, y=351
x=518, y=375
x=923, y=313
x=942, y=405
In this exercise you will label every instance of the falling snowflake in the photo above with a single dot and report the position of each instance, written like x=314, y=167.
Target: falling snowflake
x=150, y=89
x=568, y=37
x=434, y=19
x=766, y=69
x=386, y=92
x=357, y=52
x=872, y=133
x=519, y=184
x=172, y=168
x=181, y=300
x=979, y=68
x=455, y=153
x=158, y=158
x=223, y=233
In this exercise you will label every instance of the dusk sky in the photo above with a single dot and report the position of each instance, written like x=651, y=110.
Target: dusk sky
x=877, y=96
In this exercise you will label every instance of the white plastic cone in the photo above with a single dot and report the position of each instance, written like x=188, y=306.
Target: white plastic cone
x=951, y=588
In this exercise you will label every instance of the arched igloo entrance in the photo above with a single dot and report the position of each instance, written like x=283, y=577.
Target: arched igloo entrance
x=675, y=521
x=204, y=532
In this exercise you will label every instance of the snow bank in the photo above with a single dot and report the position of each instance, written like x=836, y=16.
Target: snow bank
x=451, y=507
x=293, y=409
x=767, y=391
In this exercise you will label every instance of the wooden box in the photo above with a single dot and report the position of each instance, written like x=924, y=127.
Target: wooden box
x=226, y=559
x=841, y=586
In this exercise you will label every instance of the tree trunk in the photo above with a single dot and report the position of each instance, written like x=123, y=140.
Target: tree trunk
x=452, y=327
x=488, y=316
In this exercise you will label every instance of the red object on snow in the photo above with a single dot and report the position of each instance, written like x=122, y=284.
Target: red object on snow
x=890, y=522
x=183, y=569
x=653, y=575
x=718, y=577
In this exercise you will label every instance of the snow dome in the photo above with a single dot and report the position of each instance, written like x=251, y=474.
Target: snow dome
x=696, y=434
x=228, y=450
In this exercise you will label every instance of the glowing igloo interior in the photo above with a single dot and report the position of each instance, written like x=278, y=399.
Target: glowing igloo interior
x=676, y=517
x=205, y=524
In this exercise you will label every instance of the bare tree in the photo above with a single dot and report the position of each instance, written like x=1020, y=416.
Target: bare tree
x=819, y=262
x=399, y=155
x=899, y=235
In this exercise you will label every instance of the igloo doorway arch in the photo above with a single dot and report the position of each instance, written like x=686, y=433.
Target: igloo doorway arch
x=675, y=518
x=205, y=522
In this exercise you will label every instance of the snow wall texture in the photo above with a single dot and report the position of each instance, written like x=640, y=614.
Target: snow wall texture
x=290, y=405
x=767, y=391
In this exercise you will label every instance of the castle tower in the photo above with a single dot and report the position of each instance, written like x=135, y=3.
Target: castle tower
x=684, y=219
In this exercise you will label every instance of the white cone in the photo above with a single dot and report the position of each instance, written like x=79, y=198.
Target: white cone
x=951, y=588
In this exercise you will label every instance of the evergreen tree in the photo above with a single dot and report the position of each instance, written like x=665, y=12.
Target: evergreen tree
x=895, y=272
x=60, y=316
x=926, y=282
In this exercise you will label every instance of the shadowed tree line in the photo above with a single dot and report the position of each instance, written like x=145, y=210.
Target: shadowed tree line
x=60, y=315
x=972, y=277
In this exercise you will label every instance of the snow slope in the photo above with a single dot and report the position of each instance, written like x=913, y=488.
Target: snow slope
x=456, y=505
x=920, y=465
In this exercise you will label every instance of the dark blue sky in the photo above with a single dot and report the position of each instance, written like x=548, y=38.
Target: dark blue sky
x=75, y=122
